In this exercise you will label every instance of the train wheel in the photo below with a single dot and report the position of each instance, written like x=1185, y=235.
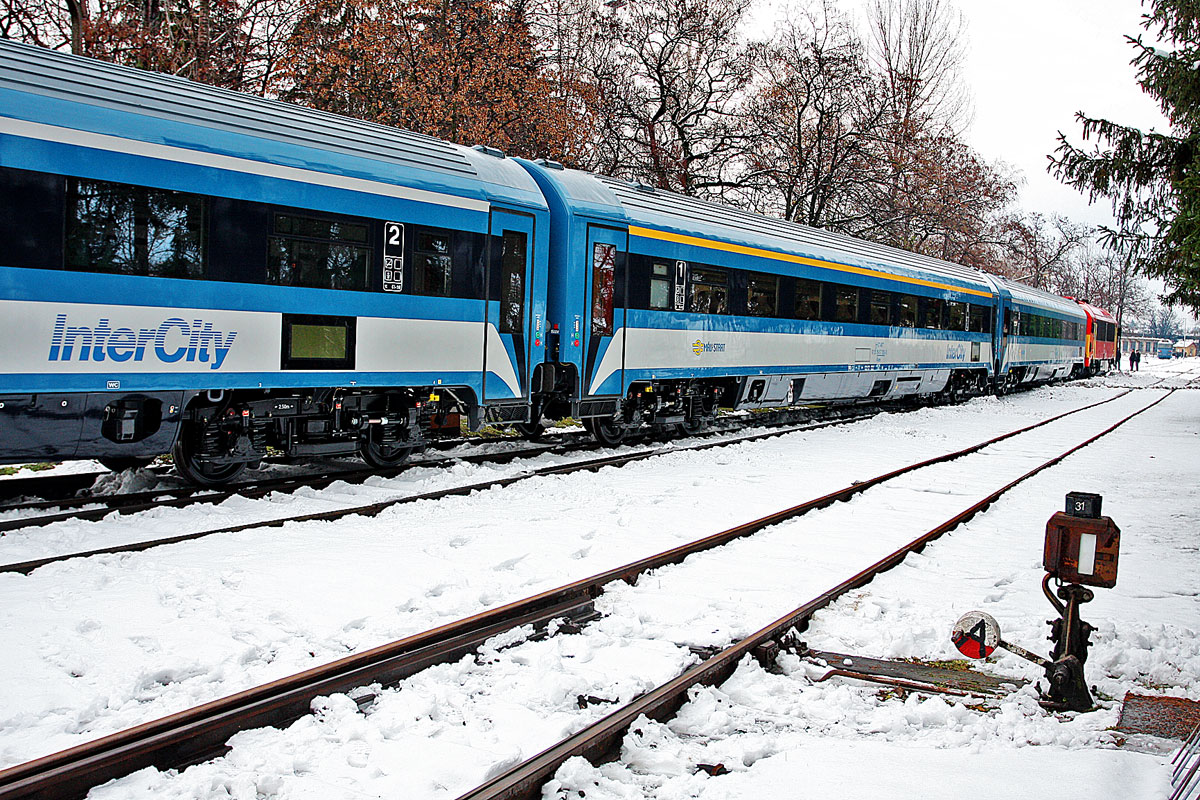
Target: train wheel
x=193, y=471
x=533, y=431
x=690, y=427
x=383, y=456
x=605, y=431
x=122, y=463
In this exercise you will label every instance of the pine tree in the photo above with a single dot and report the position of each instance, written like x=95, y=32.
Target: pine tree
x=1152, y=178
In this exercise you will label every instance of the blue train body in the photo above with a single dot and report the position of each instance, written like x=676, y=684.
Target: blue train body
x=193, y=270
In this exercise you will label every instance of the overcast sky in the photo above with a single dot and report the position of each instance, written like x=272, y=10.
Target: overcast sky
x=1031, y=64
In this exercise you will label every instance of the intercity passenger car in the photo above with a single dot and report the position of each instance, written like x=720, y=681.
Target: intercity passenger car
x=195, y=271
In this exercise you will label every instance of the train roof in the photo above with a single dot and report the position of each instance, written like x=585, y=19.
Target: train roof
x=1097, y=312
x=76, y=93
x=658, y=209
x=1040, y=298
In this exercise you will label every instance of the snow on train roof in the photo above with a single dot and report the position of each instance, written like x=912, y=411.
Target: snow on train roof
x=662, y=209
x=201, y=117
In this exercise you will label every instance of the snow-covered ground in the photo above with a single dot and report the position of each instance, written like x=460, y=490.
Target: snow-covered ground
x=100, y=644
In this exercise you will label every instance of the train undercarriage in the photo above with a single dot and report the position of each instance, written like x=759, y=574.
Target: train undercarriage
x=214, y=436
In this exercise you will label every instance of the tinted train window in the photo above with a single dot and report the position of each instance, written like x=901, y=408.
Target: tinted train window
x=881, y=308
x=808, y=299
x=512, y=283
x=432, y=264
x=931, y=312
x=845, y=304
x=956, y=316
x=709, y=291
x=318, y=253
x=762, y=295
x=31, y=219
x=908, y=311
x=660, y=285
x=134, y=230
x=604, y=268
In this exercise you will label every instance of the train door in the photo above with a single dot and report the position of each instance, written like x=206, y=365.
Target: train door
x=506, y=334
x=1003, y=322
x=604, y=292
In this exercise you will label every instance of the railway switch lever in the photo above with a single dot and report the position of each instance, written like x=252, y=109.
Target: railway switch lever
x=1081, y=550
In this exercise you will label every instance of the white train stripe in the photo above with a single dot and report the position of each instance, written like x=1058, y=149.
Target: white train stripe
x=86, y=338
x=659, y=348
x=182, y=155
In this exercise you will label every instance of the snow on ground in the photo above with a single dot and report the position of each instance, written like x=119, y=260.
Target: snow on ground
x=104, y=643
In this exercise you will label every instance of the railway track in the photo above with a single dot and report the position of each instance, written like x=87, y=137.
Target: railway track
x=98, y=508
x=67, y=493
x=372, y=509
x=201, y=733
x=63, y=492
x=95, y=507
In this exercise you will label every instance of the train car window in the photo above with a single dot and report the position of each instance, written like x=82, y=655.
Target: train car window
x=931, y=312
x=433, y=264
x=660, y=286
x=956, y=316
x=762, y=295
x=845, y=304
x=604, y=269
x=31, y=218
x=709, y=291
x=512, y=282
x=318, y=253
x=880, y=308
x=134, y=230
x=808, y=299
x=908, y=311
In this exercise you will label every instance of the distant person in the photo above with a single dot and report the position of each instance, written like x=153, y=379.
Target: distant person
x=1136, y=360
x=1132, y=359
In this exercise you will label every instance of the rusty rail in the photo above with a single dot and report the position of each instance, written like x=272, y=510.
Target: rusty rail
x=599, y=740
x=200, y=733
x=373, y=509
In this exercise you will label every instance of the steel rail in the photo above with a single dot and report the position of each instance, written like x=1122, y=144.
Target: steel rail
x=183, y=496
x=373, y=509
x=598, y=741
x=200, y=733
x=61, y=490
x=58, y=492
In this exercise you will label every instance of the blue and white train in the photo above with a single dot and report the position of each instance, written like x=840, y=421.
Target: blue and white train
x=191, y=270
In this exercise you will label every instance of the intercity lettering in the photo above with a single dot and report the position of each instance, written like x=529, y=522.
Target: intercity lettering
x=172, y=341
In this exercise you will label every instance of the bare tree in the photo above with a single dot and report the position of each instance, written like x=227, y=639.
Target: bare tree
x=1160, y=321
x=230, y=43
x=1104, y=277
x=1043, y=248
x=919, y=47
x=811, y=120
x=679, y=71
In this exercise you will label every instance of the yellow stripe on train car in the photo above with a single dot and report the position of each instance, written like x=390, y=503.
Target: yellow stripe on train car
x=713, y=244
